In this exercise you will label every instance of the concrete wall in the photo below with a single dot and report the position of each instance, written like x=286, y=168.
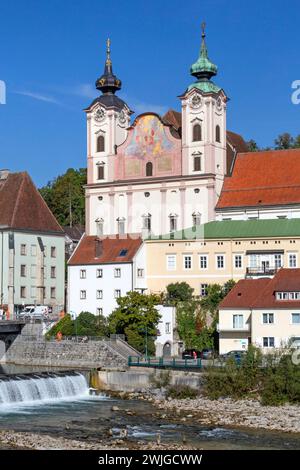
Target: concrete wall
x=138, y=378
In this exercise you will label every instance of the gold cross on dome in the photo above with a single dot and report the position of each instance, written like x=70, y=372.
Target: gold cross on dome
x=203, y=26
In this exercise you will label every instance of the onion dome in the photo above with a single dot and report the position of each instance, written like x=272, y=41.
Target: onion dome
x=108, y=83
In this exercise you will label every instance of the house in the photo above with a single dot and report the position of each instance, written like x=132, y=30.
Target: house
x=222, y=250
x=101, y=270
x=72, y=238
x=264, y=312
x=32, y=251
x=167, y=343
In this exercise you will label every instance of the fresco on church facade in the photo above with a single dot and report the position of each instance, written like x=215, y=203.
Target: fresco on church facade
x=148, y=138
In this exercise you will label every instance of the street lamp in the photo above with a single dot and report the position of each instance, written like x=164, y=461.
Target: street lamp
x=75, y=318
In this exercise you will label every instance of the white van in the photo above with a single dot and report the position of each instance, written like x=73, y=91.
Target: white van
x=31, y=311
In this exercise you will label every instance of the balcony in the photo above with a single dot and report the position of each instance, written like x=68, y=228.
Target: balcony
x=225, y=328
x=262, y=271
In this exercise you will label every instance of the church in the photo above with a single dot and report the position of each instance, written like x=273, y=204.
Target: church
x=157, y=174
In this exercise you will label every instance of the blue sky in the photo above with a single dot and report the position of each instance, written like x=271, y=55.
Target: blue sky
x=51, y=53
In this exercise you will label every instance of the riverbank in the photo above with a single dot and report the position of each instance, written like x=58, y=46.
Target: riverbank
x=34, y=441
x=232, y=413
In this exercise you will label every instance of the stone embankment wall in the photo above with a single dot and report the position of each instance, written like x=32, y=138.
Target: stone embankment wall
x=30, y=348
x=138, y=378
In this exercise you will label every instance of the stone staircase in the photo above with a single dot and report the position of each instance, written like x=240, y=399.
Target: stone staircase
x=122, y=348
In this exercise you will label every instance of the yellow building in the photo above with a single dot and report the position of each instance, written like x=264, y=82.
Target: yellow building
x=222, y=250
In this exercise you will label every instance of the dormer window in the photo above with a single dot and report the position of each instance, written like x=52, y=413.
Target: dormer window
x=287, y=295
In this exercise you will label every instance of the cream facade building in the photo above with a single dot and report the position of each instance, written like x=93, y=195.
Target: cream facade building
x=222, y=250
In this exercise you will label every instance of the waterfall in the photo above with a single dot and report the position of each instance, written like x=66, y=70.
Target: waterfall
x=23, y=389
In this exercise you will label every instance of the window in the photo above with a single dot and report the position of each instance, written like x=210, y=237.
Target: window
x=83, y=294
x=203, y=261
x=53, y=272
x=121, y=226
x=147, y=222
x=197, y=163
x=82, y=273
x=101, y=143
x=99, y=227
x=294, y=295
x=220, y=261
x=268, y=318
x=23, y=270
x=187, y=262
x=140, y=273
x=238, y=321
x=33, y=271
x=171, y=262
x=238, y=261
x=123, y=252
x=168, y=328
x=117, y=293
x=173, y=223
x=23, y=292
x=278, y=261
x=33, y=292
x=203, y=290
x=218, y=134
x=53, y=292
x=99, y=273
x=23, y=249
x=282, y=295
x=33, y=250
x=292, y=260
x=100, y=172
x=149, y=169
x=196, y=219
x=53, y=251
x=99, y=294
x=117, y=272
x=296, y=318
x=197, y=133
x=99, y=311
x=268, y=342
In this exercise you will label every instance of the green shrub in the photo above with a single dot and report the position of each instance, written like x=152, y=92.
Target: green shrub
x=181, y=392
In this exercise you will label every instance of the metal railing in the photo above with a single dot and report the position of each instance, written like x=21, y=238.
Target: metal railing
x=262, y=270
x=164, y=363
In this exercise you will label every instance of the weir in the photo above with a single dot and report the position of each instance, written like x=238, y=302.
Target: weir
x=41, y=387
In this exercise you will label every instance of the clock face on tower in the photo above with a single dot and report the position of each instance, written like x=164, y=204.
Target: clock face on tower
x=195, y=101
x=99, y=115
x=219, y=103
x=122, y=117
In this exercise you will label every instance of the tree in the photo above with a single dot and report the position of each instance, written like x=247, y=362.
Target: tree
x=252, y=146
x=297, y=142
x=191, y=326
x=136, y=317
x=284, y=141
x=179, y=292
x=86, y=324
x=65, y=197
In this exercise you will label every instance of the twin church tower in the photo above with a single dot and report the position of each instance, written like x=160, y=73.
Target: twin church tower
x=157, y=174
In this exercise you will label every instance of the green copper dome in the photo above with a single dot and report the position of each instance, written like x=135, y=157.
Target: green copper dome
x=203, y=69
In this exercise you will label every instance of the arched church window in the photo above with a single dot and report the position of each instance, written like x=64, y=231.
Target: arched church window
x=197, y=133
x=149, y=169
x=218, y=134
x=101, y=143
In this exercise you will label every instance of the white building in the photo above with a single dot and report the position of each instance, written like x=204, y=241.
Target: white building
x=102, y=270
x=264, y=312
x=167, y=343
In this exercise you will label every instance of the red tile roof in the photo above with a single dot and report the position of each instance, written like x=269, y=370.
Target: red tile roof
x=260, y=293
x=94, y=250
x=22, y=206
x=263, y=179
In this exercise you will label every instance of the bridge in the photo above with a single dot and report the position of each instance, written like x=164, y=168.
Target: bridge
x=9, y=330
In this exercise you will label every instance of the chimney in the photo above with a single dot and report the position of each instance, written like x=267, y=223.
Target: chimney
x=4, y=174
x=98, y=247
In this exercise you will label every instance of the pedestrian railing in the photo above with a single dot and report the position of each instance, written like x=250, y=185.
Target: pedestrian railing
x=164, y=363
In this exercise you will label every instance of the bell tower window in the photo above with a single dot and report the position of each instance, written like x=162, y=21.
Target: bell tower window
x=101, y=143
x=121, y=225
x=100, y=171
x=197, y=163
x=218, y=134
x=197, y=134
x=149, y=169
x=173, y=222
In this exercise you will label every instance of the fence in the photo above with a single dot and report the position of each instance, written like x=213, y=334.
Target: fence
x=164, y=363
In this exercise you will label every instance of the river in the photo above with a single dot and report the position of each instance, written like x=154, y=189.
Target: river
x=91, y=418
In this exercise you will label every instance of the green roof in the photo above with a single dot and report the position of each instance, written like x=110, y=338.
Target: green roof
x=205, y=87
x=237, y=229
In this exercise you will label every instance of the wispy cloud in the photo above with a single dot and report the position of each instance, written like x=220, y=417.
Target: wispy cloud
x=39, y=96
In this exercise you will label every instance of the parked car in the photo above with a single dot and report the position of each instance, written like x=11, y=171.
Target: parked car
x=236, y=355
x=38, y=312
x=207, y=354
